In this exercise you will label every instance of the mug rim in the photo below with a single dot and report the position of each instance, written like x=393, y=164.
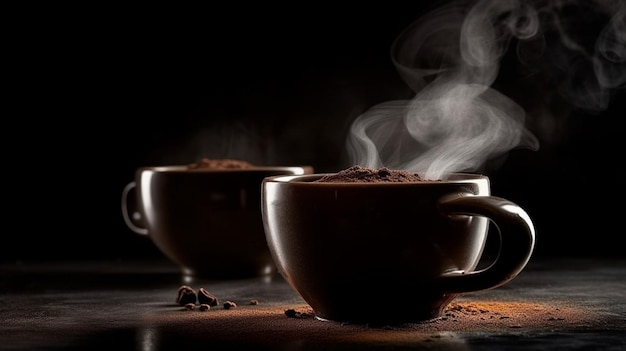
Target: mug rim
x=296, y=170
x=461, y=177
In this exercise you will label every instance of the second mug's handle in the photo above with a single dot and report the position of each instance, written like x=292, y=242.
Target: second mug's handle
x=517, y=241
x=139, y=230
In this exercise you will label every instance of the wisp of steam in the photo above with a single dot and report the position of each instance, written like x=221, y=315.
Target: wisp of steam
x=450, y=58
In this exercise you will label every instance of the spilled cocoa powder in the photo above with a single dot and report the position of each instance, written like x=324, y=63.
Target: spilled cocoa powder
x=480, y=315
x=359, y=174
x=296, y=322
x=206, y=163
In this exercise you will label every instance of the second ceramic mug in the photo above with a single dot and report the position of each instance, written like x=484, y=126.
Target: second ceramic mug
x=386, y=253
x=208, y=221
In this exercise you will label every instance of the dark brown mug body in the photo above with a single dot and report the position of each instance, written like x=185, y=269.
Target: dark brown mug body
x=386, y=252
x=207, y=221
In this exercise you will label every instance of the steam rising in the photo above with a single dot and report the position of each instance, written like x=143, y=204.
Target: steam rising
x=451, y=57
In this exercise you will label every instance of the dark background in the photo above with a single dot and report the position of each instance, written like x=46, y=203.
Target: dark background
x=96, y=93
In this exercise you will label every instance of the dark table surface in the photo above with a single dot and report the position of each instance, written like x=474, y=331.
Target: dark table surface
x=564, y=303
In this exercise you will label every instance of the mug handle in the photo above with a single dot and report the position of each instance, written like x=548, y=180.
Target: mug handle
x=517, y=241
x=139, y=230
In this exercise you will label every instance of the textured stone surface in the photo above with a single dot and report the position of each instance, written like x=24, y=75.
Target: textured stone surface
x=577, y=304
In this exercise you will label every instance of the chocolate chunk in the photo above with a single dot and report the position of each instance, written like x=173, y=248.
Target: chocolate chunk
x=207, y=298
x=186, y=295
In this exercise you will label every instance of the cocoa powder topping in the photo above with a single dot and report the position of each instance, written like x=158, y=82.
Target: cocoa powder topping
x=359, y=174
x=206, y=163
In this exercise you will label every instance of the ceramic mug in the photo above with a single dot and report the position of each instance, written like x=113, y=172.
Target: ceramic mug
x=388, y=253
x=208, y=221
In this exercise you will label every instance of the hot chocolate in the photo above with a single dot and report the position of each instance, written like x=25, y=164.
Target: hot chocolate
x=204, y=216
x=420, y=239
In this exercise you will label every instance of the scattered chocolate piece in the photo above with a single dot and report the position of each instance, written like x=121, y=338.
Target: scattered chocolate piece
x=206, y=297
x=186, y=295
x=291, y=313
